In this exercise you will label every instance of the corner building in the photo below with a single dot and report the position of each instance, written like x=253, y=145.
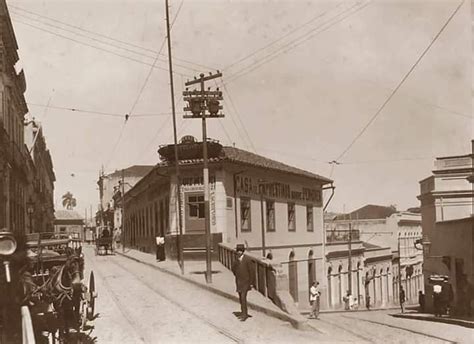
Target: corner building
x=253, y=200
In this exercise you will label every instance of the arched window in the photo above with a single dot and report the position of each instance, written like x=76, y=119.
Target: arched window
x=330, y=286
x=339, y=282
x=311, y=269
x=293, y=276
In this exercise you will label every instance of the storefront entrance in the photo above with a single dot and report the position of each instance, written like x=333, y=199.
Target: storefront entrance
x=194, y=217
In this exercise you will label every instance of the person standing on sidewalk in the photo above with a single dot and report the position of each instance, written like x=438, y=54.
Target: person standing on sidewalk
x=402, y=299
x=244, y=273
x=314, y=298
x=160, y=249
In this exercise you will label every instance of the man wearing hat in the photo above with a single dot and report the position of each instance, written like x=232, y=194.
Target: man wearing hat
x=244, y=272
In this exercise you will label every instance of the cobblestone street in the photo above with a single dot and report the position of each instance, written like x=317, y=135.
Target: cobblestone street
x=139, y=304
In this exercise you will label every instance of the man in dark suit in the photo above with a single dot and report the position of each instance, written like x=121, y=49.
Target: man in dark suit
x=243, y=269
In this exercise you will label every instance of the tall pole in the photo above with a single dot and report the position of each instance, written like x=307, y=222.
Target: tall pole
x=206, y=192
x=399, y=268
x=349, y=265
x=179, y=240
x=263, y=222
x=199, y=102
x=122, y=234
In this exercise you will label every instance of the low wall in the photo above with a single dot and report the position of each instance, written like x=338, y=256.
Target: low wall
x=271, y=282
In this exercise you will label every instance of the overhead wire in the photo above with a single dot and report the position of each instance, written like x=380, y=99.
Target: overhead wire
x=238, y=117
x=104, y=36
x=149, y=74
x=99, y=41
x=100, y=113
x=297, y=42
x=154, y=62
x=402, y=81
x=97, y=48
x=280, y=38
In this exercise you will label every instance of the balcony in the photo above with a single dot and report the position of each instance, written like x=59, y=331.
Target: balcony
x=342, y=236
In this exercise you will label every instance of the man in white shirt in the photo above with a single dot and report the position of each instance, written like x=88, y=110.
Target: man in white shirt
x=160, y=249
x=314, y=295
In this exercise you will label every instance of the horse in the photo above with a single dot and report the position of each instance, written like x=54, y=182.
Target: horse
x=58, y=299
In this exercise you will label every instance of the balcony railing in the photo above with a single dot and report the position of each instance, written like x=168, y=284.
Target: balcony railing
x=342, y=236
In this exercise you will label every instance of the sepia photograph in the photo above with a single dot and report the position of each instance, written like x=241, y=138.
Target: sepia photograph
x=236, y=171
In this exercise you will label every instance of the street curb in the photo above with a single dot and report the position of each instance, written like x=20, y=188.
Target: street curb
x=296, y=323
x=451, y=321
x=329, y=311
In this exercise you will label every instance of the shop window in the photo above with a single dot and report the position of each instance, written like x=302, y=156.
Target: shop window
x=291, y=217
x=270, y=215
x=229, y=202
x=196, y=207
x=245, y=214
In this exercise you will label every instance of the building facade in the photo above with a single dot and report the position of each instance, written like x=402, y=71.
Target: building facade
x=110, y=187
x=26, y=180
x=70, y=223
x=382, y=248
x=447, y=219
x=272, y=208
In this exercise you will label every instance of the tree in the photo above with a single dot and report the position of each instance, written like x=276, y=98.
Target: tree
x=69, y=202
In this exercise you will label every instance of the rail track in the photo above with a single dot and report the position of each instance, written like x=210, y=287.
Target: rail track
x=135, y=324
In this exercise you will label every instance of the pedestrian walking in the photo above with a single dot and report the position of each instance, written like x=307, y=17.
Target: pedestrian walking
x=244, y=272
x=402, y=299
x=437, y=302
x=421, y=301
x=314, y=300
x=160, y=249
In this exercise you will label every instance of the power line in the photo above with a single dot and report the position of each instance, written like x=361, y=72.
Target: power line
x=117, y=142
x=238, y=117
x=100, y=113
x=105, y=36
x=154, y=62
x=98, y=40
x=372, y=119
x=293, y=44
x=95, y=47
x=281, y=38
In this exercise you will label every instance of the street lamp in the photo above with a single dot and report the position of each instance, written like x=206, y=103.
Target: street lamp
x=30, y=208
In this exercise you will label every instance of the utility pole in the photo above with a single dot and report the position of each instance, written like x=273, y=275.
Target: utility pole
x=179, y=240
x=399, y=266
x=199, y=102
x=349, y=263
x=122, y=230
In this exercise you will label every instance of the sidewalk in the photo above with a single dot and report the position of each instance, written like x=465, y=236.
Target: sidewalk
x=223, y=282
x=453, y=320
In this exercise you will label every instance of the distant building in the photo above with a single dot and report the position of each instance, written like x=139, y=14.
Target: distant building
x=385, y=227
x=243, y=187
x=69, y=222
x=448, y=225
x=110, y=187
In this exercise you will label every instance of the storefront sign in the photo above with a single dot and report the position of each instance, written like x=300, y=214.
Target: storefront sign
x=248, y=186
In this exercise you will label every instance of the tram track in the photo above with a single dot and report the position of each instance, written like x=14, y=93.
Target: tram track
x=133, y=324
x=401, y=328
x=153, y=289
x=209, y=323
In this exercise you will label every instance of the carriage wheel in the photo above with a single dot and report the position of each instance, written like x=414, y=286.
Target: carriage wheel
x=27, y=326
x=92, y=296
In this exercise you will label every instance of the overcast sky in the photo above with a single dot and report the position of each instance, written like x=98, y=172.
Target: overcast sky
x=302, y=79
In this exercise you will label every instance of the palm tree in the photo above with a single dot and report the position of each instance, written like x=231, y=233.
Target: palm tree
x=69, y=202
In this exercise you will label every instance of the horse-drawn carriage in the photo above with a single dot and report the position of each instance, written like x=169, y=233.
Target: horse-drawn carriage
x=104, y=243
x=44, y=290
